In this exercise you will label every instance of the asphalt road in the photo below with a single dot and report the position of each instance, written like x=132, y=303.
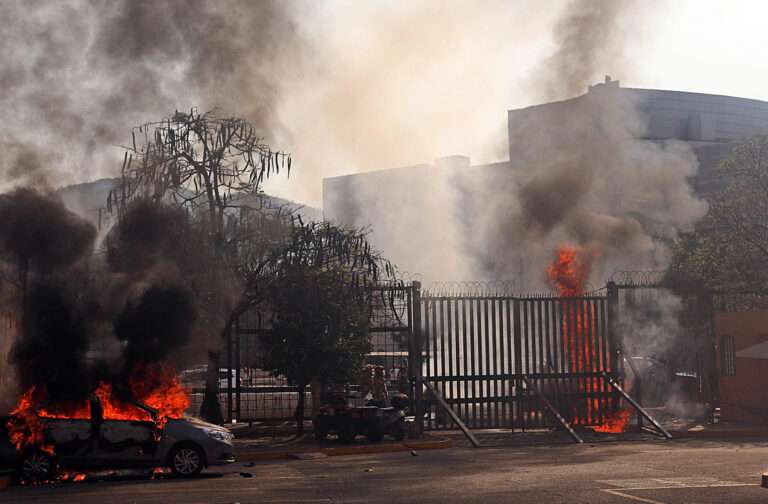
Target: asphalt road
x=656, y=472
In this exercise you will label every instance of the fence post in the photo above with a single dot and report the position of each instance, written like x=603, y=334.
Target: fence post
x=613, y=336
x=415, y=364
x=238, y=373
x=517, y=406
x=614, y=342
x=229, y=375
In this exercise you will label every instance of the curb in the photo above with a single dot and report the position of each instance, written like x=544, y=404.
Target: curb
x=711, y=434
x=246, y=455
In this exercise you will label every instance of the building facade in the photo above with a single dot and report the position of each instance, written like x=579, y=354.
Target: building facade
x=407, y=208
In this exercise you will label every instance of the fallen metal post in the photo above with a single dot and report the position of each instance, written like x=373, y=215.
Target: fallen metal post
x=552, y=410
x=451, y=413
x=637, y=385
x=634, y=403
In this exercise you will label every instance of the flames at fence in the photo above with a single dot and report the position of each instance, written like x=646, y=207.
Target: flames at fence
x=569, y=273
x=156, y=386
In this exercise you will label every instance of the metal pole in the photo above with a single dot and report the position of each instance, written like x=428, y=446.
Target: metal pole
x=415, y=365
x=614, y=345
x=238, y=380
x=229, y=375
x=634, y=403
x=552, y=410
x=440, y=401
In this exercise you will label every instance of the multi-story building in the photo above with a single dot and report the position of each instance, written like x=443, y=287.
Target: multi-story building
x=406, y=207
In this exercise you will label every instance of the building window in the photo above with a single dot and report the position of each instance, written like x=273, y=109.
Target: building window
x=727, y=356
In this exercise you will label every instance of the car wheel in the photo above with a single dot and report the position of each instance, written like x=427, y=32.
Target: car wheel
x=37, y=465
x=186, y=461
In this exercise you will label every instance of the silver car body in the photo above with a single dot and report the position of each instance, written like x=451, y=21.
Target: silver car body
x=125, y=443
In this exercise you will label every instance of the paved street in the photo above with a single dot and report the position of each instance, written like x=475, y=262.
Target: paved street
x=684, y=471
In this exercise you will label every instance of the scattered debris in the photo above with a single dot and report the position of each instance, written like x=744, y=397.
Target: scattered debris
x=246, y=475
x=369, y=469
x=414, y=454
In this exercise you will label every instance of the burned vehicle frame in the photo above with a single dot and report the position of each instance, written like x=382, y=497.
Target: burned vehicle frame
x=185, y=445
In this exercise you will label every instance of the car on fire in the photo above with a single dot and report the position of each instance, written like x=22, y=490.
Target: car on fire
x=185, y=445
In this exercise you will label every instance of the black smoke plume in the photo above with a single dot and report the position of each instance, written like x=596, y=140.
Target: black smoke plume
x=147, y=234
x=152, y=327
x=75, y=304
x=38, y=233
x=51, y=354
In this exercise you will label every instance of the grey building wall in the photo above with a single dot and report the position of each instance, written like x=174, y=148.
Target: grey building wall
x=403, y=206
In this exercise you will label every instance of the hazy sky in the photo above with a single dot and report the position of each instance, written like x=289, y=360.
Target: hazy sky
x=352, y=86
x=426, y=79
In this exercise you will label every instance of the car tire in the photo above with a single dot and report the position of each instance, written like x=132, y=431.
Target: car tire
x=186, y=461
x=37, y=466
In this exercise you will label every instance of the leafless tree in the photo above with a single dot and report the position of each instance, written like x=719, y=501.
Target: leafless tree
x=213, y=167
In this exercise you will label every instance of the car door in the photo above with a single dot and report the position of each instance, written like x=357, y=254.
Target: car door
x=73, y=440
x=124, y=442
x=128, y=443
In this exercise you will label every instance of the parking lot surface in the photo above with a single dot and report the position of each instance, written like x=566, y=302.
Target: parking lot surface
x=654, y=472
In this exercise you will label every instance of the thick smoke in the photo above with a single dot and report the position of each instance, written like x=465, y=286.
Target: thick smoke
x=76, y=74
x=345, y=86
x=587, y=37
x=51, y=350
x=39, y=233
x=577, y=174
x=581, y=176
x=155, y=326
x=148, y=235
x=88, y=318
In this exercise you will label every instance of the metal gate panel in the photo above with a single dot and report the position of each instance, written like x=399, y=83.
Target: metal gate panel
x=478, y=349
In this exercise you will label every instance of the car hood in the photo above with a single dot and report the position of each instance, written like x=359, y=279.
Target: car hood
x=196, y=422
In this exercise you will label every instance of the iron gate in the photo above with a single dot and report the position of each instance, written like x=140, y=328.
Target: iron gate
x=248, y=392
x=486, y=354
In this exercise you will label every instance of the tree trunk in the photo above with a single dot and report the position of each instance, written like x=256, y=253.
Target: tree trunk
x=300, y=412
x=210, y=410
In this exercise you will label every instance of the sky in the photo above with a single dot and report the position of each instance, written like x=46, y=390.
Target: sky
x=349, y=86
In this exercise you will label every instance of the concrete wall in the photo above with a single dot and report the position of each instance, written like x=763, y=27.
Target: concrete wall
x=744, y=395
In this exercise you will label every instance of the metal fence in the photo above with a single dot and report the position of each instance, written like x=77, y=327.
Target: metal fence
x=482, y=352
x=495, y=357
x=249, y=392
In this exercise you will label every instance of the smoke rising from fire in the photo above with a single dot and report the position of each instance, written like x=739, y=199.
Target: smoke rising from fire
x=88, y=319
x=588, y=40
x=77, y=74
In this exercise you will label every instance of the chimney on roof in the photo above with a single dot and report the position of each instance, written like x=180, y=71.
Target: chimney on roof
x=607, y=84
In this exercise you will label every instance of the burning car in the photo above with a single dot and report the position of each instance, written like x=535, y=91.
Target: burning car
x=134, y=437
x=132, y=421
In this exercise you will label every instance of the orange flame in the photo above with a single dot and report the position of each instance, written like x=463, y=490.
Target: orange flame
x=618, y=423
x=569, y=273
x=154, y=385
